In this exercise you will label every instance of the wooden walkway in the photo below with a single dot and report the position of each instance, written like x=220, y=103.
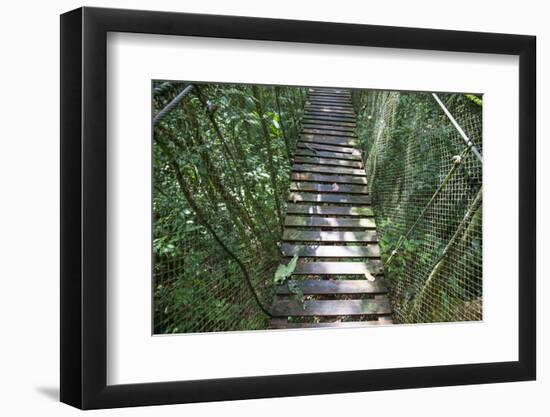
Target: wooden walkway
x=329, y=224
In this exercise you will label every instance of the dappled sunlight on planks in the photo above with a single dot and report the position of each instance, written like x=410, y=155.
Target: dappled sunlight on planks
x=329, y=225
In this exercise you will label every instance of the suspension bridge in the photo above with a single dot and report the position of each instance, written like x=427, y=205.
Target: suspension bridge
x=329, y=225
x=374, y=196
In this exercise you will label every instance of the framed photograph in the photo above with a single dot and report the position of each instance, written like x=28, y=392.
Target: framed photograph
x=257, y=208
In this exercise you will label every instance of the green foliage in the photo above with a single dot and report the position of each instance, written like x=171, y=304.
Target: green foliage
x=409, y=248
x=283, y=271
x=410, y=143
x=297, y=292
x=282, y=274
x=475, y=99
x=215, y=139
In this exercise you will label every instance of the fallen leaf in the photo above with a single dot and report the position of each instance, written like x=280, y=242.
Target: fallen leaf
x=370, y=277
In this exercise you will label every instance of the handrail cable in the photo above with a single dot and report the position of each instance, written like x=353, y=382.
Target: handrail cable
x=456, y=160
x=467, y=140
x=170, y=106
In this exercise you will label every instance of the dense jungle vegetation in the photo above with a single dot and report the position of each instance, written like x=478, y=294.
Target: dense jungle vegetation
x=221, y=168
x=221, y=173
x=411, y=149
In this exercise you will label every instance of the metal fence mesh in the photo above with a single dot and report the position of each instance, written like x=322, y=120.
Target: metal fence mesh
x=435, y=273
x=219, y=195
x=211, y=138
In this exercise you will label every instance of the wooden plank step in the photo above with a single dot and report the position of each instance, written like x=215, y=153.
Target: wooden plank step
x=331, y=130
x=331, y=148
x=335, y=222
x=323, y=120
x=284, y=324
x=329, y=140
x=340, y=93
x=328, y=131
x=285, y=308
x=325, y=124
x=345, y=96
x=331, y=109
x=336, y=143
x=334, y=91
x=329, y=287
x=336, y=110
x=337, y=100
x=327, y=161
x=312, y=210
x=309, y=151
x=332, y=106
x=297, y=197
x=316, y=101
x=330, y=113
x=328, y=170
x=334, y=117
x=319, y=130
x=373, y=267
x=329, y=89
x=336, y=106
x=330, y=95
x=321, y=101
x=329, y=188
x=339, y=179
x=318, y=123
x=329, y=98
x=298, y=235
x=328, y=251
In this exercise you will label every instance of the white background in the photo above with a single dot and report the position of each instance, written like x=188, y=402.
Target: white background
x=29, y=174
x=133, y=60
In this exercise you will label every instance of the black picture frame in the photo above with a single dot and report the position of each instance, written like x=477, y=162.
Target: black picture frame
x=84, y=207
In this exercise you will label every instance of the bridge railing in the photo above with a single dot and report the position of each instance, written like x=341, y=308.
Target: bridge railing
x=220, y=176
x=426, y=186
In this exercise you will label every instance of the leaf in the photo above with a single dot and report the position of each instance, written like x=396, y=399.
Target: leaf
x=284, y=271
x=369, y=276
x=297, y=292
x=474, y=99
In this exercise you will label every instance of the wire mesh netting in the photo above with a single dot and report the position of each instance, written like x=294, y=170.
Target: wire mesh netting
x=221, y=162
x=426, y=189
x=217, y=202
